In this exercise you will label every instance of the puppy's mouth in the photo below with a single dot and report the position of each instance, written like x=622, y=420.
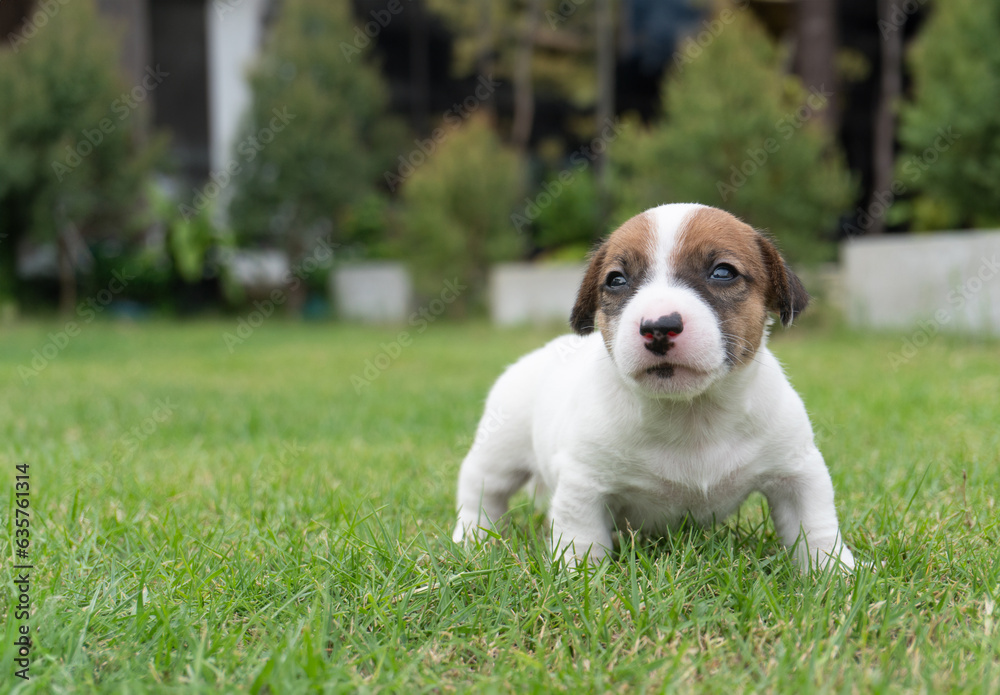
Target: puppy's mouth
x=667, y=370
x=663, y=371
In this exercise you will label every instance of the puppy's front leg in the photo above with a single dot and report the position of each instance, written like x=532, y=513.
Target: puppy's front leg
x=580, y=521
x=486, y=482
x=805, y=517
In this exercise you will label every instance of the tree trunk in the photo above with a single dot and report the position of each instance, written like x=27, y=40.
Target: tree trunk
x=487, y=50
x=11, y=226
x=884, y=135
x=605, y=31
x=524, y=96
x=626, y=37
x=67, y=275
x=816, y=29
x=295, y=289
x=419, y=73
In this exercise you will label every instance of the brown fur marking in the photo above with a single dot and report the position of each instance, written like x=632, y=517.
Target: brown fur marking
x=709, y=236
x=629, y=249
x=712, y=236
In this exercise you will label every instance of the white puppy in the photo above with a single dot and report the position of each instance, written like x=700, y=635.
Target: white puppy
x=672, y=407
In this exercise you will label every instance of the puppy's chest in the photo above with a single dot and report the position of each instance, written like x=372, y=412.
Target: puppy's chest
x=707, y=482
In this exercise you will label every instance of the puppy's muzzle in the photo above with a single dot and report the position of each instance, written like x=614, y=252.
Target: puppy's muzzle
x=657, y=334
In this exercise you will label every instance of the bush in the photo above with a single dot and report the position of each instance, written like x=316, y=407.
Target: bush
x=956, y=93
x=571, y=221
x=68, y=158
x=196, y=245
x=456, y=220
x=738, y=134
x=337, y=141
x=365, y=228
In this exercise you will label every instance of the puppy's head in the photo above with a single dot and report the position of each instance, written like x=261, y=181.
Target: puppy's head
x=680, y=294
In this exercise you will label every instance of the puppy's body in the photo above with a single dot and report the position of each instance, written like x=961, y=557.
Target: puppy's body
x=639, y=424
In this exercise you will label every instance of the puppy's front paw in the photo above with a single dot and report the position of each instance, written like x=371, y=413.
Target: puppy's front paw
x=575, y=554
x=819, y=559
x=468, y=531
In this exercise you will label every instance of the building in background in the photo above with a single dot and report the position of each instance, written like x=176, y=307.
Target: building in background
x=205, y=47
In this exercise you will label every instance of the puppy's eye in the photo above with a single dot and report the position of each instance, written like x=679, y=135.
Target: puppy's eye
x=724, y=271
x=615, y=280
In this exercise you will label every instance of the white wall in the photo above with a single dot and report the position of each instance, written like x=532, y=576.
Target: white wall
x=529, y=293
x=950, y=279
x=373, y=292
x=234, y=40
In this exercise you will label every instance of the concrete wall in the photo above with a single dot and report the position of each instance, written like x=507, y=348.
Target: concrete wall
x=529, y=293
x=376, y=292
x=234, y=39
x=951, y=280
x=259, y=270
x=130, y=22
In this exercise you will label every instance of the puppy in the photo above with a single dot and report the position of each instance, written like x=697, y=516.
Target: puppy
x=670, y=406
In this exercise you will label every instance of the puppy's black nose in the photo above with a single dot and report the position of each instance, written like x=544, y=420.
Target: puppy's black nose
x=657, y=334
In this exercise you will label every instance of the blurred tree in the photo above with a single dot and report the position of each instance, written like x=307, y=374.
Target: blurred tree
x=560, y=47
x=456, y=219
x=543, y=44
x=317, y=139
x=746, y=138
x=70, y=168
x=950, y=130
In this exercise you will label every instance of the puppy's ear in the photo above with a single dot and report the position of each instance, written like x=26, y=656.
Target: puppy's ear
x=785, y=295
x=582, y=317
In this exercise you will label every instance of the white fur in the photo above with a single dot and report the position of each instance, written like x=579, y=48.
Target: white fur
x=668, y=221
x=617, y=449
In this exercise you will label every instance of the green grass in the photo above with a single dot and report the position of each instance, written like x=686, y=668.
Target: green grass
x=277, y=532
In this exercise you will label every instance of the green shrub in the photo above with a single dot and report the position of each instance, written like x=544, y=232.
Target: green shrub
x=191, y=238
x=739, y=134
x=196, y=244
x=68, y=157
x=365, y=228
x=571, y=217
x=337, y=141
x=950, y=130
x=456, y=220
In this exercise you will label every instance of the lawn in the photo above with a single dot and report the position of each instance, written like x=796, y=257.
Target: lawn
x=212, y=519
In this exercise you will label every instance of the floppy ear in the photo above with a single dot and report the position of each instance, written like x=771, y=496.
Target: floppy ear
x=786, y=296
x=582, y=317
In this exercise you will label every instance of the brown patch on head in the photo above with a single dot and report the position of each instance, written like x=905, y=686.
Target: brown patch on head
x=628, y=251
x=712, y=238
